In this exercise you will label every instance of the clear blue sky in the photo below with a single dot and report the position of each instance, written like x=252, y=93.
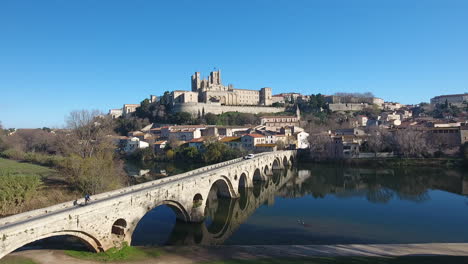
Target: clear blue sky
x=58, y=56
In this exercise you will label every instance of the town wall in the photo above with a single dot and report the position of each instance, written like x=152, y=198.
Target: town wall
x=195, y=108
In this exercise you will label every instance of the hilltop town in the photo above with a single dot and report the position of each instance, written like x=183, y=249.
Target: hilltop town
x=342, y=125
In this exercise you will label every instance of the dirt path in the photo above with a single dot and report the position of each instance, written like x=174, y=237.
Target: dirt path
x=190, y=255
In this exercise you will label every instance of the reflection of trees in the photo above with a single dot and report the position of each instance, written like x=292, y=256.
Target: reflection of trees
x=379, y=195
x=377, y=185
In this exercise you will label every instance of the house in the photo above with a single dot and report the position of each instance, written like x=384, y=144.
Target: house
x=133, y=144
x=232, y=142
x=340, y=148
x=183, y=133
x=362, y=120
x=350, y=131
x=302, y=141
x=128, y=109
x=249, y=141
x=265, y=147
x=159, y=146
x=198, y=143
x=115, y=113
x=277, y=122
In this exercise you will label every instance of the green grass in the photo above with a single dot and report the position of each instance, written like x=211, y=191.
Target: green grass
x=16, y=260
x=351, y=260
x=15, y=167
x=126, y=253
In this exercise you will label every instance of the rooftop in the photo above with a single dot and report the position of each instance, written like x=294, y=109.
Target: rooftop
x=255, y=135
x=230, y=139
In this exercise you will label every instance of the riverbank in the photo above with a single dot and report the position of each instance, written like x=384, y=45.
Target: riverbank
x=354, y=253
x=393, y=162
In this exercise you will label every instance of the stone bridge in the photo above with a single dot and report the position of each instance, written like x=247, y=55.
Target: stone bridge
x=110, y=218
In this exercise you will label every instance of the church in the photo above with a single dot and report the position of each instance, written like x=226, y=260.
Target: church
x=212, y=90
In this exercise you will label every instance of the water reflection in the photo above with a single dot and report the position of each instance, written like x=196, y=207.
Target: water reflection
x=324, y=205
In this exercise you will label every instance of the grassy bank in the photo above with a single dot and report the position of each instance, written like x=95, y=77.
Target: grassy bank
x=19, y=194
x=350, y=260
x=126, y=253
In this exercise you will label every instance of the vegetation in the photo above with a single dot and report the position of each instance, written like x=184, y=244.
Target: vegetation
x=16, y=189
x=445, y=110
x=126, y=253
x=90, y=163
x=348, y=260
x=26, y=186
x=211, y=152
x=83, y=152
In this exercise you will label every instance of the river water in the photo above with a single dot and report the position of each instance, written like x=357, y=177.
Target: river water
x=322, y=204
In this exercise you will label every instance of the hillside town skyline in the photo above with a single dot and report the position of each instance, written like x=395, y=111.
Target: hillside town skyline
x=190, y=95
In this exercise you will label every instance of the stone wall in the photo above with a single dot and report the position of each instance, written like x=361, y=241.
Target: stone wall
x=195, y=108
x=347, y=107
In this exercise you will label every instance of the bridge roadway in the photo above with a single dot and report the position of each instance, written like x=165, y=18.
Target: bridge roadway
x=111, y=217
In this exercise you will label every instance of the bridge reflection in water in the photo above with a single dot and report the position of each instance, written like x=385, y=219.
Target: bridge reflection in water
x=223, y=215
x=338, y=204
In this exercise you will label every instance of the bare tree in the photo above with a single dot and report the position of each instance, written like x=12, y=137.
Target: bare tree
x=88, y=131
x=319, y=145
x=378, y=139
x=411, y=142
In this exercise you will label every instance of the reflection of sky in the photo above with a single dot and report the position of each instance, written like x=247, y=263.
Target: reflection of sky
x=155, y=227
x=348, y=216
x=354, y=219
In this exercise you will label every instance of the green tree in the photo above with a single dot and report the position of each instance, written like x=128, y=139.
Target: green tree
x=211, y=119
x=216, y=152
x=182, y=118
x=144, y=111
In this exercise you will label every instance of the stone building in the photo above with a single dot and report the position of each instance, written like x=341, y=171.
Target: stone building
x=211, y=96
x=115, y=113
x=213, y=90
x=454, y=99
x=275, y=123
x=129, y=108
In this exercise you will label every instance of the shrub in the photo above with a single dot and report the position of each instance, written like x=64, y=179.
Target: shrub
x=16, y=189
x=94, y=174
x=13, y=154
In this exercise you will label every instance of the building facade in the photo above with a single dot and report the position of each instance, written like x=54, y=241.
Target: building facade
x=454, y=99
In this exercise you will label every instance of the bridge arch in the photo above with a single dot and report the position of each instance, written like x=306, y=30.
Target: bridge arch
x=90, y=241
x=243, y=182
x=276, y=164
x=257, y=175
x=119, y=226
x=224, y=187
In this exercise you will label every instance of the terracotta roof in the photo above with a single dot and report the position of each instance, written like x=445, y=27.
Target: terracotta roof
x=197, y=140
x=229, y=139
x=160, y=142
x=255, y=135
x=265, y=145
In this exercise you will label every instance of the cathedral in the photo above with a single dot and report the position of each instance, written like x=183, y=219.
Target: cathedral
x=212, y=90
